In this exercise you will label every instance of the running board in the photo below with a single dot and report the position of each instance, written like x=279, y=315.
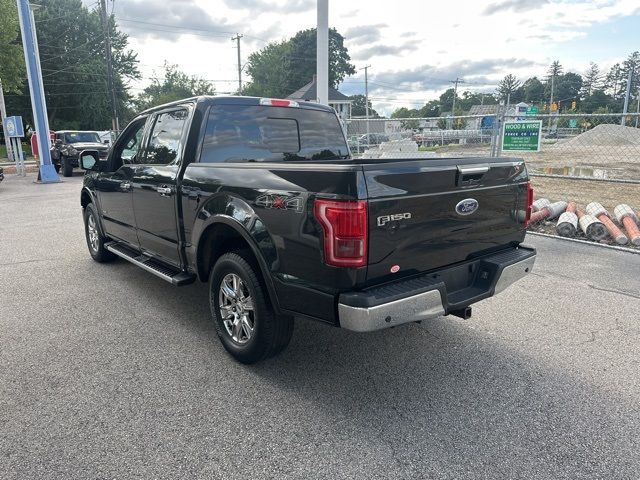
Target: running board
x=151, y=265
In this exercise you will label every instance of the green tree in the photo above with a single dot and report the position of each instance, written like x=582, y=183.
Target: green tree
x=568, y=87
x=469, y=99
x=174, y=85
x=12, y=72
x=612, y=81
x=74, y=72
x=358, y=107
x=597, y=100
x=631, y=64
x=446, y=100
x=507, y=88
x=591, y=80
x=533, y=90
x=430, y=109
x=281, y=68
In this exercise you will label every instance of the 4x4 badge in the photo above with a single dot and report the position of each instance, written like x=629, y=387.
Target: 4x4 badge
x=280, y=202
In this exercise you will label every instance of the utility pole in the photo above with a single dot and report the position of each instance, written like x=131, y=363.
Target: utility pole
x=626, y=97
x=366, y=96
x=322, y=47
x=455, y=93
x=638, y=108
x=3, y=115
x=553, y=84
x=237, y=39
x=115, y=122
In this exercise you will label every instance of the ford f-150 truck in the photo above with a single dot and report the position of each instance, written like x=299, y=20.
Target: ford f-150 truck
x=261, y=199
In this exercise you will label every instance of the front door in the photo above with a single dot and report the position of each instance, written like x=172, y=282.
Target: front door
x=114, y=186
x=154, y=186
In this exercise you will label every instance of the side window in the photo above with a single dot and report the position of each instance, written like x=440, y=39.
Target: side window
x=128, y=147
x=164, y=143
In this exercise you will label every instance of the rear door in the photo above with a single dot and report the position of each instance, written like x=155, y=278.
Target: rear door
x=155, y=182
x=426, y=214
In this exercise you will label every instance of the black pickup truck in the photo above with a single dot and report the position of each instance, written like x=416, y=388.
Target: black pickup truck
x=261, y=199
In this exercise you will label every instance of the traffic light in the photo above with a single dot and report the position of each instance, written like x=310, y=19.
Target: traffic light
x=573, y=105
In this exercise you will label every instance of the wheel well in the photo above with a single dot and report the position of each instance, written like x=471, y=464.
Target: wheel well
x=217, y=240
x=85, y=199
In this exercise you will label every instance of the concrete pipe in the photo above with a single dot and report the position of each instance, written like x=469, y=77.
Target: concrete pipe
x=593, y=228
x=539, y=204
x=555, y=209
x=627, y=217
x=597, y=210
x=567, y=224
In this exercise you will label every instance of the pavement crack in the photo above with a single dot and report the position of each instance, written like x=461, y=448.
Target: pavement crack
x=626, y=294
x=23, y=262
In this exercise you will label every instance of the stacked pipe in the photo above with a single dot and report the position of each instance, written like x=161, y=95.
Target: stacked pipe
x=549, y=211
x=539, y=205
x=627, y=217
x=598, y=211
x=567, y=225
x=593, y=228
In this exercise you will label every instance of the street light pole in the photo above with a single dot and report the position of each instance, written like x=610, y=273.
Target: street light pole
x=322, y=45
x=32, y=61
x=366, y=96
x=115, y=121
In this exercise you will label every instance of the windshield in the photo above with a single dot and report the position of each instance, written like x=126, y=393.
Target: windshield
x=81, y=137
x=240, y=133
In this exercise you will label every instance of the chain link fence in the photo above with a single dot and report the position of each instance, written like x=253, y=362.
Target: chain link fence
x=588, y=164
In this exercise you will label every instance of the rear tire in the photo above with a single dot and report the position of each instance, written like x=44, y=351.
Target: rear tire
x=66, y=166
x=94, y=236
x=244, y=320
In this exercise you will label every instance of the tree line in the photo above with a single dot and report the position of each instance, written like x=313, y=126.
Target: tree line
x=72, y=43
x=594, y=92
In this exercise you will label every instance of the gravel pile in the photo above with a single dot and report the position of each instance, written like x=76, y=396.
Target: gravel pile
x=605, y=135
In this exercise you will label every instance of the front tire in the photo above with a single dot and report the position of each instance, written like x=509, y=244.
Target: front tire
x=93, y=234
x=66, y=166
x=244, y=320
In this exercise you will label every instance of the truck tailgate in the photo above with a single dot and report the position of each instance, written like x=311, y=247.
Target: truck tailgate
x=426, y=214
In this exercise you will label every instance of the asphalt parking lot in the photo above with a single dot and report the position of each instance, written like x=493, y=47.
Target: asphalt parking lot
x=108, y=372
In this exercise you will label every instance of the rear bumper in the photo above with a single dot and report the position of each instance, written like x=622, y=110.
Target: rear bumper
x=434, y=294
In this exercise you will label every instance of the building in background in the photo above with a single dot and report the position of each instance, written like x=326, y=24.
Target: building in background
x=309, y=93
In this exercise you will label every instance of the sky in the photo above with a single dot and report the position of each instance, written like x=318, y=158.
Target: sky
x=415, y=47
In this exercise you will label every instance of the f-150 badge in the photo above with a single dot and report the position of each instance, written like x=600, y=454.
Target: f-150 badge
x=280, y=202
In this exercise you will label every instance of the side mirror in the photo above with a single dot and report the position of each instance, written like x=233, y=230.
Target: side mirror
x=90, y=160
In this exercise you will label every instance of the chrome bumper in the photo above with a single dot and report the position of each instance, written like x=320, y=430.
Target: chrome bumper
x=426, y=304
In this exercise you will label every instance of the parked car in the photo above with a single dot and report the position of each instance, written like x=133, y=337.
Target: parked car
x=68, y=143
x=1, y=174
x=260, y=198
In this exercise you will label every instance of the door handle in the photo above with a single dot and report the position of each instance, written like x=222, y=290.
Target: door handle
x=126, y=186
x=165, y=191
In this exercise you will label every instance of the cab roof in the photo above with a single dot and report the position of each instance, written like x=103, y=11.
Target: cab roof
x=232, y=100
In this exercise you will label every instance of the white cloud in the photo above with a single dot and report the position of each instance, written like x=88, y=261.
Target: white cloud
x=431, y=42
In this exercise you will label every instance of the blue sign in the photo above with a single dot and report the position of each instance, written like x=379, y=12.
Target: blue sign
x=13, y=127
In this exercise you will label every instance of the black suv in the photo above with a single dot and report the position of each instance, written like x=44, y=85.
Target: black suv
x=68, y=144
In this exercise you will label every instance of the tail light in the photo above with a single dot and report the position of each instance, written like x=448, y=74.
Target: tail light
x=527, y=217
x=345, y=231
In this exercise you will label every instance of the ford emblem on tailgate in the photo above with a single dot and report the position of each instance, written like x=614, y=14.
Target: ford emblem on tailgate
x=467, y=206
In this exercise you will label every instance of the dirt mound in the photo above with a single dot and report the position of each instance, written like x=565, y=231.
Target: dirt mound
x=606, y=135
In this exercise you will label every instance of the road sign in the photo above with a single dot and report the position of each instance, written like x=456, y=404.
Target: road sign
x=13, y=127
x=573, y=123
x=522, y=136
x=533, y=110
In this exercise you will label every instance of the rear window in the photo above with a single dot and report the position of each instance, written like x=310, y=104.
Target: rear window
x=241, y=133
